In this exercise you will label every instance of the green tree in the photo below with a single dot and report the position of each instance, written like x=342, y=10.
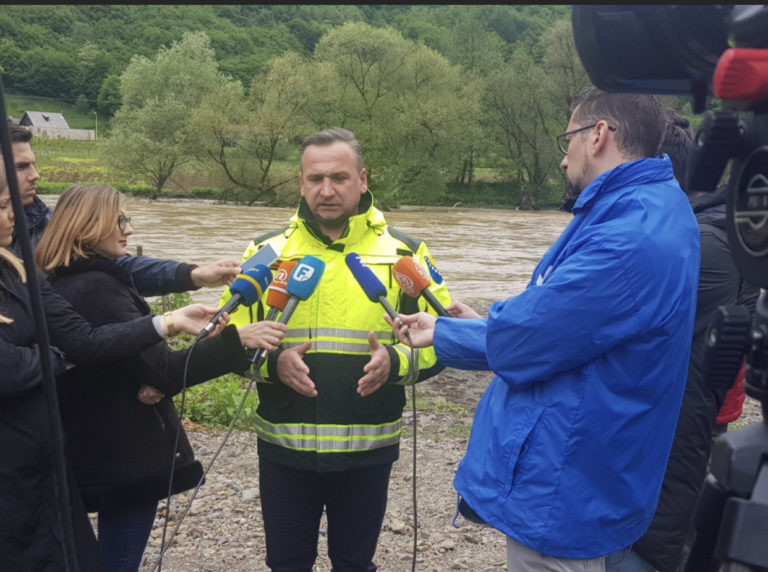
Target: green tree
x=153, y=132
x=108, y=101
x=245, y=136
x=522, y=121
x=406, y=103
x=565, y=76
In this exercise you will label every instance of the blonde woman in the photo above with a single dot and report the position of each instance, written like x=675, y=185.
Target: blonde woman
x=121, y=447
x=31, y=530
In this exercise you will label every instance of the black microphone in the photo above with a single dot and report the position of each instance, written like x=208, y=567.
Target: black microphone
x=301, y=284
x=371, y=285
x=246, y=289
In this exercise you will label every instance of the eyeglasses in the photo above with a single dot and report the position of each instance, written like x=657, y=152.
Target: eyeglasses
x=123, y=222
x=562, y=142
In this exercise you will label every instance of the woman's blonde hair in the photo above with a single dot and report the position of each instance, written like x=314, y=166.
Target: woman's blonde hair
x=17, y=265
x=84, y=215
x=6, y=254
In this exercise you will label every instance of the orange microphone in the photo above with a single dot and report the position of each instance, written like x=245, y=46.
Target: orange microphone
x=414, y=281
x=277, y=292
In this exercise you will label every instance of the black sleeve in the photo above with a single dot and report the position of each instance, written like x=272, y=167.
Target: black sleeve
x=84, y=343
x=164, y=369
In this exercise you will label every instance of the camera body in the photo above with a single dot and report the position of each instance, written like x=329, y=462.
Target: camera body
x=722, y=51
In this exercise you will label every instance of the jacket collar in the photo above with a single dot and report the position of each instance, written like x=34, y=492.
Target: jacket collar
x=368, y=217
x=37, y=212
x=631, y=174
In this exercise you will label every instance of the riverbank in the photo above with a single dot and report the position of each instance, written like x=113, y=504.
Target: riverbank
x=223, y=530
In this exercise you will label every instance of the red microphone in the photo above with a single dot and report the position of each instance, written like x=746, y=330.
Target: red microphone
x=277, y=292
x=414, y=281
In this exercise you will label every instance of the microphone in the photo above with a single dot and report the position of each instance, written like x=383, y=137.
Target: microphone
x=246, y=289
x=277, y=293
x=301, y=284
x=371, y=285
x=414, y=281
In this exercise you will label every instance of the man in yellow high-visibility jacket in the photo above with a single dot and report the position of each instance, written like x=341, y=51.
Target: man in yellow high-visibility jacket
x=329, y=415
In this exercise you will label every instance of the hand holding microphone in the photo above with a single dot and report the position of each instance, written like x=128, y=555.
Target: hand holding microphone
x=246, y=289
x=414, y=281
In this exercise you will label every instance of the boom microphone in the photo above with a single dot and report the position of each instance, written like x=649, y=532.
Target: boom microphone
x=277, y=293
x=414, y=281
x=301, y=284
x=371, y=285
x=246, y=289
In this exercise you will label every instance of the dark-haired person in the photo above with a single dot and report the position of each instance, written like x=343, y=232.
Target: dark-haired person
x=570, y=441
x=119, y=420
x=663, y=546
x=329, y=420
x=153, y=277
x=32, y=535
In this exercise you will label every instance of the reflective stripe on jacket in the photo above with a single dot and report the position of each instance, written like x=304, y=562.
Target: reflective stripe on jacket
x=338, y=429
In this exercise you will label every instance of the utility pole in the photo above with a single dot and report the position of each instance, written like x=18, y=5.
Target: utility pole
x=96, y=130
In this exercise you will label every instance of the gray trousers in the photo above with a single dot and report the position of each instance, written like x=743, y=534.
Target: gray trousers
x=523, y=559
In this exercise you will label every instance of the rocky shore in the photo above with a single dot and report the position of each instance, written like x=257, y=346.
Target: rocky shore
x=222, y=531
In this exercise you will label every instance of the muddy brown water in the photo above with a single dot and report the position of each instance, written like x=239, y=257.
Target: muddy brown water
x=483, y=254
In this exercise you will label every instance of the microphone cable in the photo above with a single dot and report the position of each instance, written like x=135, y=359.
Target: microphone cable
x=163, y=546
x=413, y=370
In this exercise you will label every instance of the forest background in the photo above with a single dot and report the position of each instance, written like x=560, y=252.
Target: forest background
x=452, y=104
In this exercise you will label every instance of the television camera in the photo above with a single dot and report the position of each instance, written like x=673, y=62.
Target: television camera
x=698, y=51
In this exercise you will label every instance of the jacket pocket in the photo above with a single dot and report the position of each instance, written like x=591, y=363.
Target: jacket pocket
x=516, y=450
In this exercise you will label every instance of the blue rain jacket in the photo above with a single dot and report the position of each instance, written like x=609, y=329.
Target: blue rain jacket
x=570, y=441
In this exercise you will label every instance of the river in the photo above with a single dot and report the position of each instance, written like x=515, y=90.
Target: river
x=483, y=254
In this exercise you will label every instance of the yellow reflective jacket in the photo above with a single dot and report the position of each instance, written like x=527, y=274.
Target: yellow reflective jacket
x=338, y=429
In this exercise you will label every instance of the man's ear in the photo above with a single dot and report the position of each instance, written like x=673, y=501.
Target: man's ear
x=600, y=136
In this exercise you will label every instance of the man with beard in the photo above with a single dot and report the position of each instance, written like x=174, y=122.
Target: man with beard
x=570, y=440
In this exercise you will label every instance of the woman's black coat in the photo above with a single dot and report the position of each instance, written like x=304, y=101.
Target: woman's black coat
x=31, y=532
x=120, y=448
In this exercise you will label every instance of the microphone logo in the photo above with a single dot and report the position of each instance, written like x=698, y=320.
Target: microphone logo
x=303, y=272
x=406, y=283
x=281, y=276
x=437, y=278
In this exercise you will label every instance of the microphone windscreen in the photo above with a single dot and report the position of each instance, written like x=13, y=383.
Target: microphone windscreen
x=251, y=284
x=305, y=277
x=277, y=293
x=410, y=276
x=369, y=282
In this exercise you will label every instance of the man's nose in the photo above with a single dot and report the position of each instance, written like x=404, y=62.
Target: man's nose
x=327, y=186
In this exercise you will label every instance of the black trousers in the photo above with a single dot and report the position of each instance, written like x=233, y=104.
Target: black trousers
x=292, y=503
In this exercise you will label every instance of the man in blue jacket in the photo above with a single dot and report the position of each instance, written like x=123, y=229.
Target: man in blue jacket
x=571, y=438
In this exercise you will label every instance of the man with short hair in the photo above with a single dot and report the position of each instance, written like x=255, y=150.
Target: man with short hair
x=153, y=277
x=570, y=440
x=329, y=415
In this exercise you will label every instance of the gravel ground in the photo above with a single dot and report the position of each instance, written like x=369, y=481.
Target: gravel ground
x=222, y=531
